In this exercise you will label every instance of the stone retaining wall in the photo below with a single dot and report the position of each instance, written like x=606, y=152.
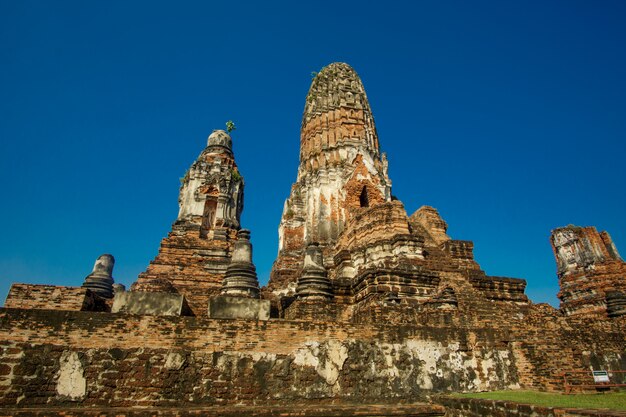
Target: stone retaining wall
x=56, y=358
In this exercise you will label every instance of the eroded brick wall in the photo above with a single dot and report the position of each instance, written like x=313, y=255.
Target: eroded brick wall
x=102, y=359
x=51, y=297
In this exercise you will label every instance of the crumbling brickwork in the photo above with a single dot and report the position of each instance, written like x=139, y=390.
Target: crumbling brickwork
x=193, y=258
x=157, y=360
x=189, y=265
x=592, y=275
x=53, y=297
x=341, y=169
x=342, y=200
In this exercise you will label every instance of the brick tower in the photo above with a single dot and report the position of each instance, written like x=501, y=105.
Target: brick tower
x=372, y=252
x=194, y=257
x=341, y=169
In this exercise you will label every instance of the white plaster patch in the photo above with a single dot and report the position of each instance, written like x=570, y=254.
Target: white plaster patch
x=288, y=290
x=368, y=162
x=337, y=354
x=327, y=359
x=429, y=353
x=71, y=381
x=174, y=360
x=307, y=355
x=488, y=367
x=390, y=353
x=506, y=359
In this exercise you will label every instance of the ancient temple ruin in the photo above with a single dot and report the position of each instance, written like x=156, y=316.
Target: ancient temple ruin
x=194, y=257
x=365, y=303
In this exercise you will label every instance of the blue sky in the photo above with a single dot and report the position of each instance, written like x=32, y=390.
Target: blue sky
x=508, y=117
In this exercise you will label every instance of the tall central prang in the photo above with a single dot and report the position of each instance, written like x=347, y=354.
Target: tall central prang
x=341, y=169
x=345, y=242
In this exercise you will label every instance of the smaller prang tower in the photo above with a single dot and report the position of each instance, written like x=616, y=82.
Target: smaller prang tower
x=194, y=257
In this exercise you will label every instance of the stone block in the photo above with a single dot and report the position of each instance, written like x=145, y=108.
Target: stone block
x=150, y=303
x=224, y=307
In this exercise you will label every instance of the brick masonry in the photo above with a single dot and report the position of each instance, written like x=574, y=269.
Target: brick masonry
x=193, y=258
x=53, y=297
x=166, y=361
x=592, y=275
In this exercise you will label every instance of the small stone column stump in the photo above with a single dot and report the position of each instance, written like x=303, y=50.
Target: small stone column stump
x=240, y=295
x=314, y=284
x=314, y=292
x=100, y=281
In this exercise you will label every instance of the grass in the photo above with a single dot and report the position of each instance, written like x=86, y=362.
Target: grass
x=610, y=400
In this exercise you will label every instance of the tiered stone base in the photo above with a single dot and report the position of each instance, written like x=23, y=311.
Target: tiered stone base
x=225, y=307
x=195, y=267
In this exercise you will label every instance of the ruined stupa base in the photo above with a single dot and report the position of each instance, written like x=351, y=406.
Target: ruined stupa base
x=150, y=303
x=226, y=307
x=315, y=310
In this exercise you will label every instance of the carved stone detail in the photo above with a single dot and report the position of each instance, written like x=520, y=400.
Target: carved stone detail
x=370, y=249
x=211, y=193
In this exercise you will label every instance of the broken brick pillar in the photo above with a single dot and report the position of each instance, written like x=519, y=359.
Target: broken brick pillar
x=592, y=275
x=100, y=281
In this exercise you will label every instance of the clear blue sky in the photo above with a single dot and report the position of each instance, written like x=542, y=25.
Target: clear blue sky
x=508, y=117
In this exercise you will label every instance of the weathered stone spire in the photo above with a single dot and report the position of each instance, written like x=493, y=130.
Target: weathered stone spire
x=341, y=170
x=211, y=194
x=101, y=280
x=193, y=258
x=337, y=116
